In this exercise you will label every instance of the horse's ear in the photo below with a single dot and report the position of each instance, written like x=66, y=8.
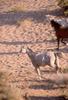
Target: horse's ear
x=29, y=49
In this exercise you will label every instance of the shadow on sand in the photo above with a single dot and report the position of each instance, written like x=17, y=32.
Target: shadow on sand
x=45, y=98
x=64, y=49
x=11, y=18
x=48, y=84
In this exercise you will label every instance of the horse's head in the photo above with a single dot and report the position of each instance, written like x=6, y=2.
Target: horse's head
x=55, y=24
x=28, y=51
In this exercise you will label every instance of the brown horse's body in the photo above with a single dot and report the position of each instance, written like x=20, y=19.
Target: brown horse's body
x=60, y=31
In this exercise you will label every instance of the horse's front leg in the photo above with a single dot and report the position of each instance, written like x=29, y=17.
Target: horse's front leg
x=58, y=40
x=38, y=72
x=58, y=68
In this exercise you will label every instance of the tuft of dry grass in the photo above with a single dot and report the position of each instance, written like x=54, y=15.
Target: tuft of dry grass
x=26, y=22
x=64, y=4
x=19, y=7
x=6, y=92
x=14, y=6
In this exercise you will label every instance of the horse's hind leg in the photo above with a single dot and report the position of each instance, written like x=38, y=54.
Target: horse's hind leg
x=58, y=68
x=57, y=63
x=52, y=64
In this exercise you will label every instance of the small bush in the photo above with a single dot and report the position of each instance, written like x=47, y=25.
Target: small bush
x=7, y=92
x=64, y=5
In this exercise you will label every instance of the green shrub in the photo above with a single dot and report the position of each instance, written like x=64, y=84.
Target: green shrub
x=64, y=5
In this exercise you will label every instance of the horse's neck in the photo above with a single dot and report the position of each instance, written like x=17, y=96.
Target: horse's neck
x=31, y=55
x=57, y=26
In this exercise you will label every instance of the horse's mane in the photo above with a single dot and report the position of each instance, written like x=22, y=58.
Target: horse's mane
x=55, y=24
x=30, y=52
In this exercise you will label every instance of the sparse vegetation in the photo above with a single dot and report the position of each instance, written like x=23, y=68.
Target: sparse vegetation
x=64, y=5
x=6, y=92
x=26, y=22
x=19, y=7
x=14, y=6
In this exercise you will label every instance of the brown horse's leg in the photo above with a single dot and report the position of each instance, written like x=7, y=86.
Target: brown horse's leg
x=63, y=41
x=58, y=40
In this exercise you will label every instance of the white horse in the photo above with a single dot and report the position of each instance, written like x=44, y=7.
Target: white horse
x=41, y=59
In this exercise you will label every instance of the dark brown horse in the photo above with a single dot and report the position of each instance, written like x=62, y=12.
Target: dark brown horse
x=60, y=31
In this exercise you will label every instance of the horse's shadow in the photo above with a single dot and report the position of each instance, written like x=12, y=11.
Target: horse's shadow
x=45, y=98
x=47, y=84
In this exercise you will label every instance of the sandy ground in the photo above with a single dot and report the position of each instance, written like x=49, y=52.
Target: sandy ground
x=30, y=28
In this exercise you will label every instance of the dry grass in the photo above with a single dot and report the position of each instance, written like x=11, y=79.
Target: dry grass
x=13, y=6
x=6, y=92
x=19, y=7
x=26, y=23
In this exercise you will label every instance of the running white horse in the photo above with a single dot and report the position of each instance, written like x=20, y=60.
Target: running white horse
x=41, y=59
